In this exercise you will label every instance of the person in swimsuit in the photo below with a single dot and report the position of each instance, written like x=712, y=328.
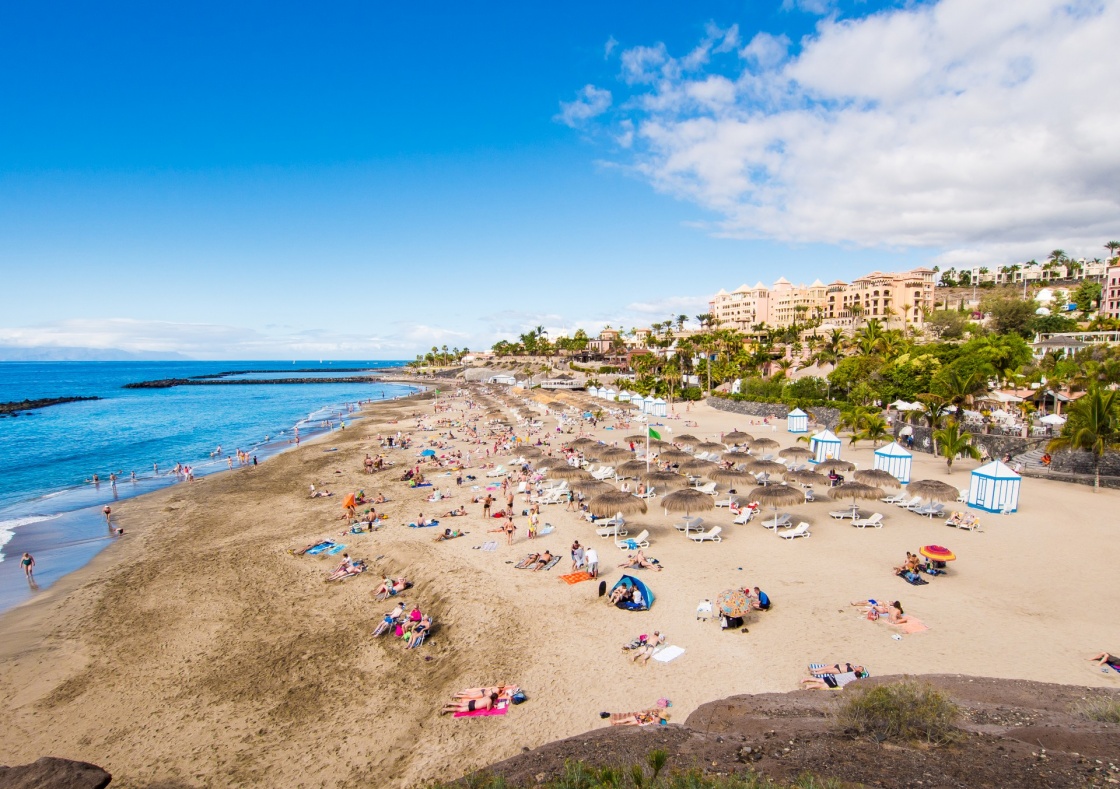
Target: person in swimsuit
x=470, y=705
x=542, y=561
x=28, y=565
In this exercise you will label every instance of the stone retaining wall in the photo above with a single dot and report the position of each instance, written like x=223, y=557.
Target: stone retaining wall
x=996, y=446
x=829, y=417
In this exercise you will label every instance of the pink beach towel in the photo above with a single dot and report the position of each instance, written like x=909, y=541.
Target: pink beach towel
x=502, y=709
x=912, y=625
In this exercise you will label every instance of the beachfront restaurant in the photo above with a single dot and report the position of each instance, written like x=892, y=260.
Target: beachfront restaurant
x=894, y=459
x=994, y=488
x=824, y=445
x=797, y=421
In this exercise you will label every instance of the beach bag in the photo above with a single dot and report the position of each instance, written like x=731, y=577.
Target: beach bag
x=518, y=697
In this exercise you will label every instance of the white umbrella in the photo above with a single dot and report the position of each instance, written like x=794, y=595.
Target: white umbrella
x=1053, y=419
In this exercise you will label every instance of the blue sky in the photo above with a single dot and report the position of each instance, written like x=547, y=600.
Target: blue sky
x=368, y=181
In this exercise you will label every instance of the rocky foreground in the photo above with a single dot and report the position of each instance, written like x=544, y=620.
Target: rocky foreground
x=1018, y=733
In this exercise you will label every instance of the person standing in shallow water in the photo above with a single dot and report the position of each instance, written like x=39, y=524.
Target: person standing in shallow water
x=28, y=565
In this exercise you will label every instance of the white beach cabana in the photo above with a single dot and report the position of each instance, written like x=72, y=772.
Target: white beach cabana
x=610, y=395
x=623, y=396
x=638, y=402
x=825, y=445
x=895, y=460
x=593, y=391
x=994, y=488
x=658, y=408
x=797, y=421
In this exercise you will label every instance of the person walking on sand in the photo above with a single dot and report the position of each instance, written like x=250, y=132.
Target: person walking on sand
x=486, y=505
x=28, y=565
x=107, y=510
x=511, y=529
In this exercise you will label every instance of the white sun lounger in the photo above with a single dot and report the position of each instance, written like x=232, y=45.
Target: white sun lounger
x=910, y=504
x=709, y=488
x=633, y=543
x=649, y=494
x=897, y=498
x=875, y=520
x=711, y=534
x=801, y=530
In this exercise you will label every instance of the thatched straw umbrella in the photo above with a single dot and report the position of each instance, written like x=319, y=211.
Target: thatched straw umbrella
x=763, y=443
x=765, y=467
x=795, y=452
x=549, y=463
x=834, y=465
x=687, y=438
x=569, y=473
x=607, y=504
x=591, y=487
x=737, y=437
x=776, y=496
x=530, y=452
x=729, y=476
x=933, y=489
x=687, y=501
x=673, y=456
x=615, y=453
x=878, y=478
x=635, y=437
x=806, y=477
x=710, y=446
x=665, y=479
x=700, y=468
x=631, y=468
x=580, y=443
x=854, y=491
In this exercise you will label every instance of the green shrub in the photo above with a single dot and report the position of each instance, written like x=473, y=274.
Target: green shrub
x=1102, y=709
x=900, y=711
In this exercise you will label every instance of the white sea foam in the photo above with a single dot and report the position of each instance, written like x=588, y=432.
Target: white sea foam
x=8, y=528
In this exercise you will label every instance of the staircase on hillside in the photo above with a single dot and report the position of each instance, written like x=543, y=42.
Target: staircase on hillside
x=1032, y=460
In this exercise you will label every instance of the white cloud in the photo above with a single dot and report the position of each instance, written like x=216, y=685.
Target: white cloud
x=589, y=103
x=818, y=7
x=963, y=126
x=609, y=47
x=671, y=305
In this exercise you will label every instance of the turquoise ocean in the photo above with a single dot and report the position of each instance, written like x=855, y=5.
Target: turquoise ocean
x=47, y=505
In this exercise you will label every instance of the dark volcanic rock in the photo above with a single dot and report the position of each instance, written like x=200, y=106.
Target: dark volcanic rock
x=14, y=408
x=53, y=773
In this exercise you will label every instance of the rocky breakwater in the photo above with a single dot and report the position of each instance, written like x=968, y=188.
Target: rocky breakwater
x=23, y=406
x=167, y=383
x=52, y=773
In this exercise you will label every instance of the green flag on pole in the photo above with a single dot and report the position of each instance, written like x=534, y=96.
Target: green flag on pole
x=654, y=434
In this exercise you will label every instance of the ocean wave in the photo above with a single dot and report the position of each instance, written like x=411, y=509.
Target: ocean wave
x=8, y=528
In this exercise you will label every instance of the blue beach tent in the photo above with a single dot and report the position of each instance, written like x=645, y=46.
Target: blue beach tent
x=895, y=460
x=647, y=595
x=994, y=488
x=797, y=421
x=825, y=446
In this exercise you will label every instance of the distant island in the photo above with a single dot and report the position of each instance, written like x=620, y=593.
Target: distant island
x=13, y=408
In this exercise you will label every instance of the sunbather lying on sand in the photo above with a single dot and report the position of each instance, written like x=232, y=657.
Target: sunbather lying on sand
x=448, y=534
x=456, y=513
x=470, y=705
x=639, y=560
x=391, y=586
x=643, y=718
x=1105, y=657
x=478, y=693
x=542, y=560
x=346, y=569
x=835, y=676
x=645, y=652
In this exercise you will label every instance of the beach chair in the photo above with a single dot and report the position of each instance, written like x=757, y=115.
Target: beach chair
x=911, y=504
x=809, y=495
x=603, y=472
x=693, y=523
x=963, y=497
x=782, y=520
x=763, y=478
x=711, y=534
x=897, y=498
x=634, y=543
x=500, y=471
x=875, y=520
x=704, y=610
x=709, y=488
x=744, y=517
x=801, y=530
x=725, y=502
x=520, y=488
x=840, y=515
x=970, y=523
x=649, y=494
x=931, y=510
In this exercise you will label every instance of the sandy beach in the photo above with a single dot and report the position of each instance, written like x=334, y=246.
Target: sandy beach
x=197, y=651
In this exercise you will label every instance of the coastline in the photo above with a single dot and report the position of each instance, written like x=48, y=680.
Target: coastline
x=199, y=651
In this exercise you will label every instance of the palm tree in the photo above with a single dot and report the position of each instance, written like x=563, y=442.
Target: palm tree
x=680, y=322
x=1093, y=426
x=875, y=429
x=955, y=442
x=1112, y=247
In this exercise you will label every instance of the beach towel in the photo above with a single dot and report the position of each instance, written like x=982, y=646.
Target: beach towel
x=335, y=549
x=668, y=653
x=546, y=530
x=524, y=563
x=643, y=718
x=501, y=709
x=912, y=625
x=423, y=526
x=490, y=546
x=575, y=578
x=551, y=564
x=320, y=547
x=913, y=582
